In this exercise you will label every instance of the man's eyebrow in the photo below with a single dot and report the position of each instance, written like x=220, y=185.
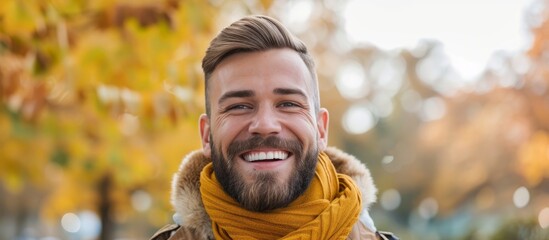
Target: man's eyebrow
x=236, y=94
x=289, y=91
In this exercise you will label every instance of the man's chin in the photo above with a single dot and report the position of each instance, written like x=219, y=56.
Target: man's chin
x=266, y=191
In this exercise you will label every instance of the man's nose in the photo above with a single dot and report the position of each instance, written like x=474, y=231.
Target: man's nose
x=265, y=122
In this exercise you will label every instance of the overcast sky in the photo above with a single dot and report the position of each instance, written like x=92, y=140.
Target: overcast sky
x=470, y=30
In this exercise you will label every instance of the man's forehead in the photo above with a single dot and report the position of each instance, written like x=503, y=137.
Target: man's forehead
x=282, y=67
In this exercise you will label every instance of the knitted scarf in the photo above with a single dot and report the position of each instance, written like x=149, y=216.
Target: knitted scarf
x=328, y=209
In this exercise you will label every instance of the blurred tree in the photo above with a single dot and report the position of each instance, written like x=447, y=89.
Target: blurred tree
x=490, y=140
x=494, y=139
x=98, y=102
x=448, y=147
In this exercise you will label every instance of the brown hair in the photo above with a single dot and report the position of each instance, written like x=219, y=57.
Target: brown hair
x=254, y=34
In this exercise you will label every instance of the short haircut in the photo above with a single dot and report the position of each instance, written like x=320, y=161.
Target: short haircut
x=255, y=34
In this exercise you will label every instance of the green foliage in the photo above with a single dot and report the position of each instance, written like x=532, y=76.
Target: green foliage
x=521, y=229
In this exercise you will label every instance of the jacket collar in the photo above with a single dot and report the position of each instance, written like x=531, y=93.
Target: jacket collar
x=190, y=211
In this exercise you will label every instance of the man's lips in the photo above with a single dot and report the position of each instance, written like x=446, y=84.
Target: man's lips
x=265, y=155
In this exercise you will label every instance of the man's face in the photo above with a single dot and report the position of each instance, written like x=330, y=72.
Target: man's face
x=263, y=134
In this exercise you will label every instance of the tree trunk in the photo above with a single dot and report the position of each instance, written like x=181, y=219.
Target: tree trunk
x=105, y=208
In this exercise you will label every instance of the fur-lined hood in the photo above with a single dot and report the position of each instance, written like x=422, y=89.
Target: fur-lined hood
x=190, y=210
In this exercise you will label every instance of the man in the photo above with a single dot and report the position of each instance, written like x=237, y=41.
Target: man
x=264, y=170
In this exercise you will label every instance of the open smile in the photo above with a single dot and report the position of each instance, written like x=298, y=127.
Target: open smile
x=265, y=155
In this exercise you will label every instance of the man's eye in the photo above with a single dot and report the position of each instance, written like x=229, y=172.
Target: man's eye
x=288, y=104
x=238, y=107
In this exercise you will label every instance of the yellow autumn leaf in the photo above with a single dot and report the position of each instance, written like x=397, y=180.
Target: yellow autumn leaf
x=21, y=18
x=533, y=161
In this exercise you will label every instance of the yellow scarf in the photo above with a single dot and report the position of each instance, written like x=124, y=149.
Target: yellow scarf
x=327, y=210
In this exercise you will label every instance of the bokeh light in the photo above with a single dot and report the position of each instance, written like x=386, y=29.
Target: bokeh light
x=521, y=197
x=411, y=101
x=298, y=14
x=432, y=68
x=382, y=105
x=141, y=200
x=71, y=222
x=351, y=81
x=387, y=159
x=388, y=73
x=358, y=120
x=432, y=109
x=90, y=225
x=543, y=218
x=390, y=199
x=428, y=208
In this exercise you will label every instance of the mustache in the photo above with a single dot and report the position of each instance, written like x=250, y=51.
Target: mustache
x=293, y=146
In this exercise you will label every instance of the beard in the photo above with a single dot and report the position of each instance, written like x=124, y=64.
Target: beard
x=266, y=192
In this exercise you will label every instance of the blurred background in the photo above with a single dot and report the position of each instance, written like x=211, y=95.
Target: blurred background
x=447, y=103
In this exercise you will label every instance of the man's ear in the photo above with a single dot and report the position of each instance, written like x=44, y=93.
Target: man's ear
x=204, y=124
x=322, y=122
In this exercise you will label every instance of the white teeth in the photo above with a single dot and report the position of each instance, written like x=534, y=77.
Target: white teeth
x=270, y=155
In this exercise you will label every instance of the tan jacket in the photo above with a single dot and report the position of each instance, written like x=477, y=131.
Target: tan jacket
x=192, y=221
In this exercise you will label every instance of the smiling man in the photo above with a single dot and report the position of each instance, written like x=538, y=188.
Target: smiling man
x=265, y=171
